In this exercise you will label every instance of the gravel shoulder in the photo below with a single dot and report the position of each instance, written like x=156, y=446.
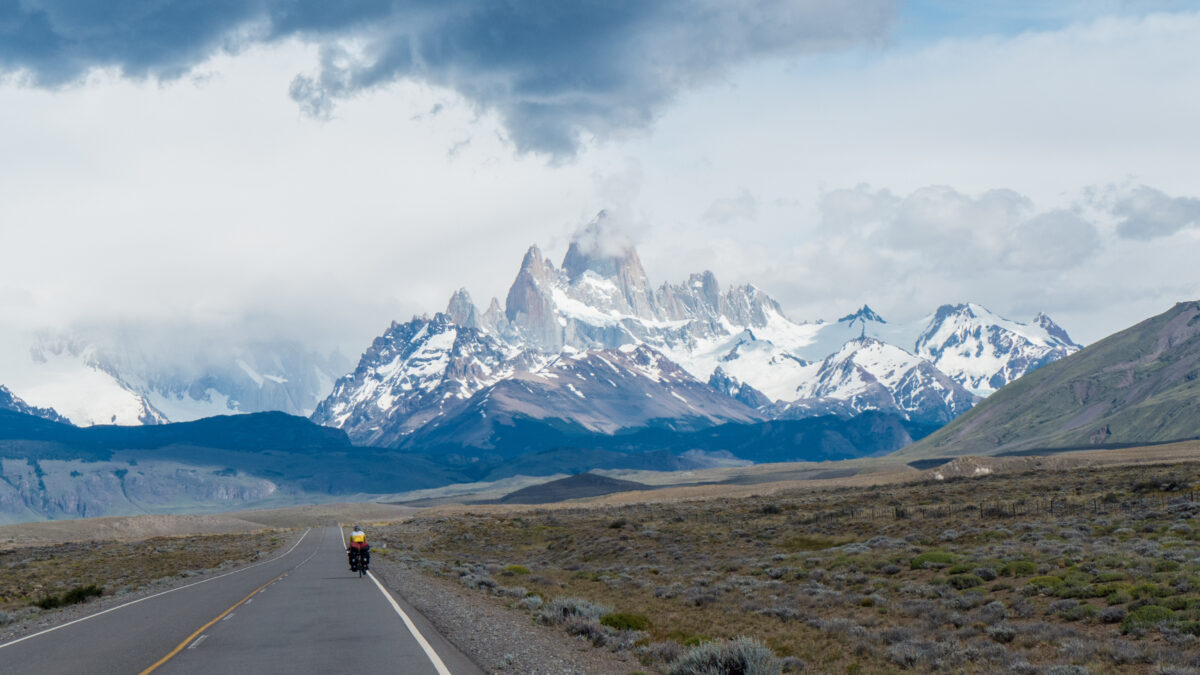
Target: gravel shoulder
x=498, y=639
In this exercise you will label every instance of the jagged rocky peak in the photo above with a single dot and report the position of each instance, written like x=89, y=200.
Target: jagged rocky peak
x=530, y=303
x=461, y=310
x=749, y=305
x=1054, y=330
x=604, y=251
x=599, y=248
x=536, y=265
x=865, y=314
x=736, y=389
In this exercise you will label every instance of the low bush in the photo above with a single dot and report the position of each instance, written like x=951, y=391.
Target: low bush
x=1001, y=632
x=1146, y=617
x=74, y=596
x=562, y=609
x=741, y=656
x=625, y=621
x=516, y=569
x=913, y=654
x=1081, y=612
x=1019, y=568
x=1043, y=584
x=964, y=581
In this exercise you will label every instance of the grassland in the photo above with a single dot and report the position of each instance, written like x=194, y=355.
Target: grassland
x=68, y=573
x=1057, y=571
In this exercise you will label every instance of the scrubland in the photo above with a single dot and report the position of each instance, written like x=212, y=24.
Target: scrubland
x=1074, y=571
x=36, y=578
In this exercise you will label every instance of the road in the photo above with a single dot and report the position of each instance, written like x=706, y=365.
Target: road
x=300, y=612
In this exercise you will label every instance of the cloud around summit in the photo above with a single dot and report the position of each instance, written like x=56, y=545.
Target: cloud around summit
x=555, y=73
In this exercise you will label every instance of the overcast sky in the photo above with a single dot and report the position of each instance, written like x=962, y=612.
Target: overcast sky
x=281, y=168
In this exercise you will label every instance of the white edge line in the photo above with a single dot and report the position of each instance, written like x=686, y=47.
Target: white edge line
x=412, y=628
x=150, y=597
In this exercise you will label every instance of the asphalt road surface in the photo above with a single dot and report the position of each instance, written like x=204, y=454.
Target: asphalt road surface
x=299, y=612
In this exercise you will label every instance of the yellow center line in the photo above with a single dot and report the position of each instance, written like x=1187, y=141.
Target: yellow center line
x=205, y=627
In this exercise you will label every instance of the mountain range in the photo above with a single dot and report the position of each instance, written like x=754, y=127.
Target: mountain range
x=586, y=365
x=591, y=346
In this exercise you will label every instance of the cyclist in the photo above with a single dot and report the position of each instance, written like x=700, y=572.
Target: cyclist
x=359, y=547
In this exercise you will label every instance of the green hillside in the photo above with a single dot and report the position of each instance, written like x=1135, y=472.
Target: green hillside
x=1140, y=385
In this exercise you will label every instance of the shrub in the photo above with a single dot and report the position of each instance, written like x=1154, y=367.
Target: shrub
x=516, y=569
x=587, y=629
x=964, y=581
x=562, y=609
x=1061, y=606
x=993, y=612
x=931, y=559
x=1112, y=614
x=742, y=656
x=961, y=568
x=1001, y=632
x=1081, y=612
x=1019, y=568
x=1146, y=617
x=1118, y=597
x=531, y=602
x=625, y=621
x=1043, y=584
x=1166, y=566
x=660, y=652
x=910, y=654
x=74, y=596
x=477, y=581
x=985, y=573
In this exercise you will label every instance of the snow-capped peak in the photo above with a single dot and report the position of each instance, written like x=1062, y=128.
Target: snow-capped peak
x=985, y=351
x=870, y=374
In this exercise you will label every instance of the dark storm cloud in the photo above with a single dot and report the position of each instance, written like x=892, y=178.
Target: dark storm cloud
x=554, y=71
x=57, y=41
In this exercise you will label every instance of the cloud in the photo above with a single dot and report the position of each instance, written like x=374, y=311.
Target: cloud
x=53, y=42
x=940, y=228
x=1146, y=213
x=740, y=209
x=555, y=72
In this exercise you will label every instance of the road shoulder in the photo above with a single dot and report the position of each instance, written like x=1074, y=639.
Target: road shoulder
x=497, y=639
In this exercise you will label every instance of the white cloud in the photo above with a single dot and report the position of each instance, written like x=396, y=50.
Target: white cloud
x=1146, y=213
